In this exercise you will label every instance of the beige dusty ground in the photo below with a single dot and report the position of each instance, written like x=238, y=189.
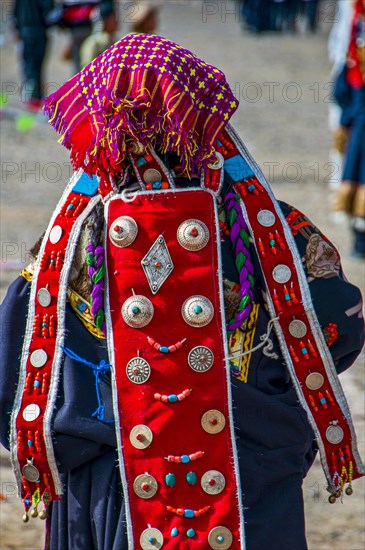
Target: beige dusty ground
x=268, y=73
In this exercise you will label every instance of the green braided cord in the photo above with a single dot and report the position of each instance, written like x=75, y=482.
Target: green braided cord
x=246, y=239
x=244, y=301
x=251, y=280
x=240, y=261
x=90, y=258
x=99, y=274
x=99, y=319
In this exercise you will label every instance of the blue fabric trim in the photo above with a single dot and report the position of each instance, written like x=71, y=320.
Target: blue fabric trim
x=237, y=168
x=86, y=185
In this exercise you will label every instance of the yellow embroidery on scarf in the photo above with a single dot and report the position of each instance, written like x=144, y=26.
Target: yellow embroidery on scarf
x=242, y=342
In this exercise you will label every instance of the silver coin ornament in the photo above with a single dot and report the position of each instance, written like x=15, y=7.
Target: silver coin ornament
x=157, y=264
x=38, y=358
x=213, y=421
x=137, y=311
x=138, y=370
x=123, y=231
x=213, y=482
x=193, y=235
x=55, y=234
x=314, y=381
x=281, y=273
x=145, y=486
x=31, y=412
x=44, y=297
x=151, y=539
x=220, y=538
x=217, y=165
x=141, y=436
x=297, y=328
x=30, y=472
x=334, y=434
x=197, y=311
x=266, y=218
x=152, y=175
x=200, y=359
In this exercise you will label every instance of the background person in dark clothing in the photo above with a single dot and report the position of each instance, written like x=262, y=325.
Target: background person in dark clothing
x=30, y=21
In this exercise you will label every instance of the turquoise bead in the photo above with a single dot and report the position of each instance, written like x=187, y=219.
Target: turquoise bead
x=141, y=161
x=174, y=532
x=37, y=384
x=157, y=185
x=185, y=459
x=172, y=398
x=136, y=310
x=220, y=538
x=164, y=349
x=70, y=207
x=190, y=533
x=188, y=513
x=170, y=480
x=191, y=478
x=198, y=309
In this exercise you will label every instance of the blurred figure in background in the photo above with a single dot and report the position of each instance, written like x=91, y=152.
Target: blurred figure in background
x=30, y=21
x=100, y=39
x=350, y=94
x=145, y=21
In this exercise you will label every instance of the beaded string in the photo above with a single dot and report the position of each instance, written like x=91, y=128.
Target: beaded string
x=102, y=368
x=241, y=243
x=96, y=270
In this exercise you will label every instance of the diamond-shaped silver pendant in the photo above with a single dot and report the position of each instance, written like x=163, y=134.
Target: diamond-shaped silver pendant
x=157, y=264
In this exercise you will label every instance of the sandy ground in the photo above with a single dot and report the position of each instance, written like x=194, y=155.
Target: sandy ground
x=283, y=85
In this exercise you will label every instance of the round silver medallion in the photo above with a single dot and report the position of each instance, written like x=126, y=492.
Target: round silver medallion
x=145, y=486
x=281, y=273
x=141, y=436
x=197, y=311
x=138, y=370
x=217, y=165
x=123, y=231
x=314, y=381
x=30, y=472
x=55, y=234
x=200, y=359
x=152, y=175
x=193, y=235
x=31, y=412
x=297, y=328
x=220, y=538
x=137, y=311
x=151, y=539
x=38, y=358
x=213, y=482
x=44, y=297
x=137, y=148
x=213, y=421
x=266, y=218
x=334, y=434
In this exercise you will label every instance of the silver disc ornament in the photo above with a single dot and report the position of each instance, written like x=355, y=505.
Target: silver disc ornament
x=123, y=231
x=137, y=311
x=44, y=297
x=197, y=311
x=38, y=358
x=193, y=235
x=152, y=175
x=145, y=486
x=266, y=218
x=213, y=482
x=334, y=433
x=297, y=328
x=138, y=370
x=281, y=273
x=30, y=472
x=220, y=538
x=314, y=381
x=151, y=539
x=200, y=359
x=213, y=421
x=141, y=436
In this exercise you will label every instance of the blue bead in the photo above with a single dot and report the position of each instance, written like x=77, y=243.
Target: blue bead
x=30, y=443
x=191, y=478
x=251, y=188
x=188, y=513
x=172, y=398
x=164, y=349
x=36, y=384
x=151, y=539
x=190, y=533
x=141, y=161
x=198, y=309
x=70, y=206
x=157, y=185
x=174, y=532
x=304, y=351
x=52, y=262
x=170, y=480
x=323, y=401
x=272, y=242
x=220, y=538
x=185, y=459
x=287, y=297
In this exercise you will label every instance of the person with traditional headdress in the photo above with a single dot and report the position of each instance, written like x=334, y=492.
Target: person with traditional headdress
x=170, y=358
